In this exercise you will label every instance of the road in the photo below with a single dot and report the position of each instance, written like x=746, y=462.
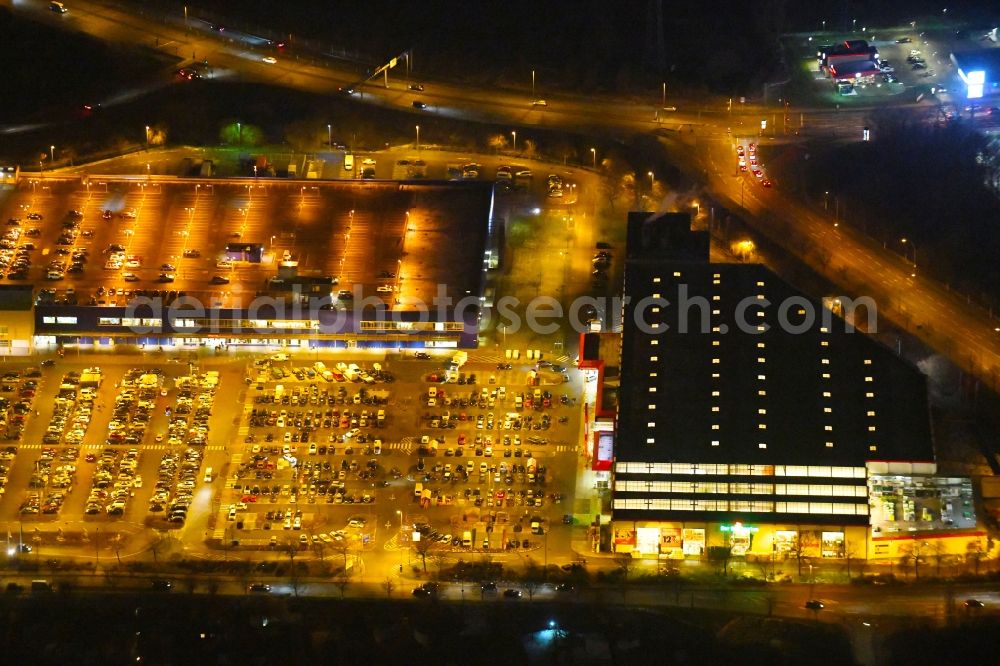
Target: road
x=943, y=320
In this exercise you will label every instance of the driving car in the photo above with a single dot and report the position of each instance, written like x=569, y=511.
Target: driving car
x=417, y=104
x=539, y=102
x=270, y=60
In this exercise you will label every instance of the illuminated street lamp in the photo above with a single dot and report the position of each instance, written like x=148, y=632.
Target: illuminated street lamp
x=906, y=241
x=52, y=153
x=593, y=153
x=329, y=135
x=418, y=137
x=513, y=133
x=651, y=180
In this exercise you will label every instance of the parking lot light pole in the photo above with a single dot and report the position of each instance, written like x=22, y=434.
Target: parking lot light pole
x=399, y=540
x=418, y=137
x=593, y=153
x=513, y=133
x=329, y=136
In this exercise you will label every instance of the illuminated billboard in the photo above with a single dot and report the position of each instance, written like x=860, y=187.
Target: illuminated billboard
x=604, y=446
x=975, y=82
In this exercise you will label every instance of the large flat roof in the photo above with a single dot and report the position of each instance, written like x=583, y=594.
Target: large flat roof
x=404, y=237
x=987, y=60
x=702, y=382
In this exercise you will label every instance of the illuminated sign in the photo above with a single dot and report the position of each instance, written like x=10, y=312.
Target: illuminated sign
x=604, y=445
x=975, y=81
x=739, y=528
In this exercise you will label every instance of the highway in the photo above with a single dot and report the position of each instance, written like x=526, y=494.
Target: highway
x=943, y=320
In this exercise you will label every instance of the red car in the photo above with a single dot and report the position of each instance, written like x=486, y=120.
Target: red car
x=765, y=183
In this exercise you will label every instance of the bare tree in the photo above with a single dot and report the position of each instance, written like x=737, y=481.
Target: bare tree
x=423, y=547
x=850, y=554
x=342, y=580
x=974, y=554
x=721, y=556
x=319, y=547
x=498, y=142
x=159, y=545
x=341, y=548
x=625, y=565
x=939, y=550
x=292, y=550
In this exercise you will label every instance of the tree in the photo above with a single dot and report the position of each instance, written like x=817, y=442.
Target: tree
x=625, y=564
x=721, y=556
x=319, y=547
x=798, y=552
x=292, y=550
x=529, y=148
x=532, y=577
x=388, y=585
x=939, y=551
x=342, y=580
x=423, y=547
x=850, y=553
x=341, y=548
x=974, y=554
x=240, y=134
x=498, y=142
x=158, y=545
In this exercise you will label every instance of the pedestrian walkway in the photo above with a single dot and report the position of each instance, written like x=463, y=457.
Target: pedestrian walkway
x=405, y=447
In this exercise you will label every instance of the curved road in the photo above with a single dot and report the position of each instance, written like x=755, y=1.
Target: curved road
x=946, y=322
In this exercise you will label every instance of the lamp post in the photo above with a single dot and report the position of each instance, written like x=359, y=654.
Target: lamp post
x=52, y=154
x=593, y=153
x=147, y=136
x=513, y=133
x=664, y=101
x=399, y=539
x=651, y=180
x=418, y=137
x=329, y=136
x=532, y=83
x=239, y=134
x=905, y=242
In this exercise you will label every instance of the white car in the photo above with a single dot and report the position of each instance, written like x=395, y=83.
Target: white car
x=368, y=162
x=270, y=60
x=279, y=357
x=539, y=102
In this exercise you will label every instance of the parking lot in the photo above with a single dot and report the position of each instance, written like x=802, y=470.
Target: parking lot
x=336, y=461
x=269, y=454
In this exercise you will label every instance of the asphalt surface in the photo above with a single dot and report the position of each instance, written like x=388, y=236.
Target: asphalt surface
x=956, y=328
